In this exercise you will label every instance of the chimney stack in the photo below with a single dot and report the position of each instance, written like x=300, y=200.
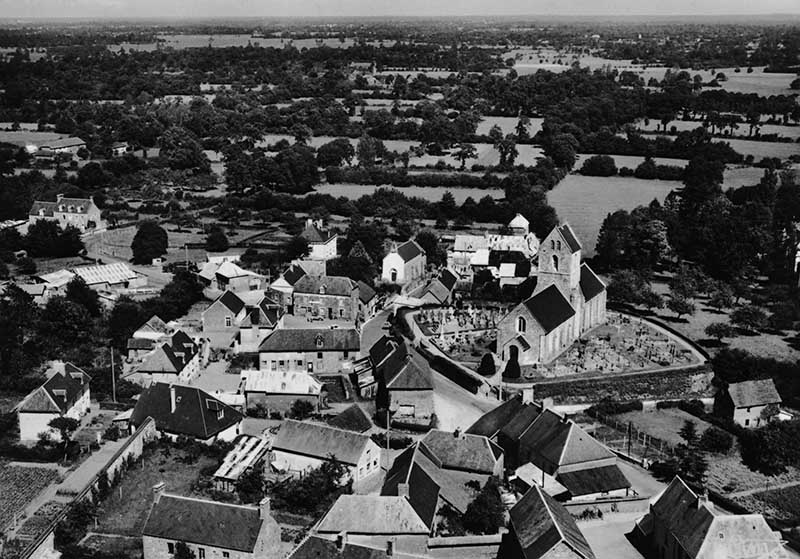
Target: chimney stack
x=403, y=490
x=457, y=433
x=264, y=508
x=547, y=403
x=59, y=197
x=172, y=398
x=341, y=541
x=527, y=395
x=703, y=500
x=158, y=490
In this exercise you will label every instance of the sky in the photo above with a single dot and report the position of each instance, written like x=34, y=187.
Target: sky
x=335, y=8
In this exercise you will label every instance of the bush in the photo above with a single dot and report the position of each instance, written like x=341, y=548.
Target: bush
x=625, y=172
x=599, y=166
x=716, y=440
x=396, y=442
x=609, y=407
x=487, y=367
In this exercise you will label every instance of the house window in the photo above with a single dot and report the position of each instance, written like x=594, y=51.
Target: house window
x=746, y=422
x=521, y=324
x=228, y=322
x=273, y=365
x=225, y=555
x=201, y=553
x=341, y=313
x=319, y=341
x=345, y=354
x=558, y=245
x=552, y=245
x=319, y=355
x=170, y=548
x=299, y=362
x=281, y=363
x=555, y=262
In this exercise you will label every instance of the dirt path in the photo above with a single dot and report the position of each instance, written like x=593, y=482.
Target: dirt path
x=762, y=489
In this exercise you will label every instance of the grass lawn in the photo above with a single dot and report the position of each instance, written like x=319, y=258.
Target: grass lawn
x=125, y=511
x=776, y=346
x=727, y=474
x=662, y=424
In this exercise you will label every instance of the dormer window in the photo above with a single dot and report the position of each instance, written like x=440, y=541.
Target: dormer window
x=322, y=290
x=41, y=211
x=80, y=208
x=61, y=207
x=318, y=341
x=71, y=208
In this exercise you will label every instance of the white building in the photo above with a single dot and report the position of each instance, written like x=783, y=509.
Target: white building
x=405, y=264
x=65, y=393
x=322, y=244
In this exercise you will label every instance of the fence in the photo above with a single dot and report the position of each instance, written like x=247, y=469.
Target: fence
x=43, y=546
x=635, y=443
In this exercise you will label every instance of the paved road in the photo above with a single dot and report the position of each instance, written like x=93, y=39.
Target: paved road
x=372, y=331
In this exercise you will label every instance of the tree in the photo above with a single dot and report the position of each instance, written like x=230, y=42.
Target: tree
x=335, y=153
x=487, y=367
x=26, y=265
x=512, y=369
x=769, y=412
x=183, y=551
x=507, y=148
x=149, y=242
x=749, y=317
x=484, y=515
x=680, y=305
x=716, y=440
x=369, y=150
x=690, y=463
x=599, y=166
x=217, y=240
x=689, y=433
x=65, y=427
x=301, y=133
x=720, y=330
x=47, y=238
x=722, y=297
x=301, y=409
x=124, y=319
x=182, y=151
x=80, y=293
x=465, y=151
x=429, y=241
x=297, y=247
x=251, y=484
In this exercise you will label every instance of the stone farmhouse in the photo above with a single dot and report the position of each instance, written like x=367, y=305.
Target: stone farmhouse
x=310, y=350
x=229, y=322
x=745, y=402
x=81, y=213
x=407, y=376
x=211, y=530
x=65, y=393
x=177, y=359
x=228, y=276
x=569, y=300
x=330, y=297
x=277, y=390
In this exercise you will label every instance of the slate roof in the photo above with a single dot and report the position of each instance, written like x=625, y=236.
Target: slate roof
x=311, y=339
x=141, y=343
x=293, y=274
x=365, y=292
x=231, y=301
x=266, y=313
x=58, y=393
x=381, y=349
x=550, y=308
x=593, y=480
x=423, y=491
x=79, y=206
x=540, y=523
x=466, y=452
x=405, y=369
x=448, y=279
x=386, y=515
x=569, y=236
x=332, y=285
x=315, y=235
x=204, y=522
x=590, y=284
x=316, y=547
x=699, y=527
x=754, y=393
x=280, y=382
x=409, y=250
x=354, y=418
x=41, y=208
x=490, y=423
x=195, y=415
x=156, y=324
x=171, y=356
x=320, y=441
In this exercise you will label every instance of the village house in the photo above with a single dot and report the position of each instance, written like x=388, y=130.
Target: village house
x=321, y=243
x=259, y=321
x=228, y=276
x=313, y=350
x=541, y=528
x=118, y=149
x=367, y=301
x=282, y=289
x=246, y=453
x=302, y=446
x=71, y=145
x=210, y=529
x=180, y=410
x=364, y=370
x=547, y=449
x=463, y=452
x=145, y=338
x=440, y=289
x=81, y=213
x=330, y=297
x=177, y=359
x=569, y=300
x=65, y=393
x=681, y=524
x=751, y=403
x=353, y=418
x=340, y=547
x=221, y=319
x=408, y=378
x=277, y=390
x=405, y=264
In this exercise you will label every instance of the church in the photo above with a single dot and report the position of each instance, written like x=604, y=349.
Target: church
x=569, y=300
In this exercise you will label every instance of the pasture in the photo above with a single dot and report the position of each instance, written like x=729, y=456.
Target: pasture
x=654, y=126
x=22, y=138
x=662, y=424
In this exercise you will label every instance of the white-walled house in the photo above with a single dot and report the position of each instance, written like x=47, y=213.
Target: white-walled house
x=322, y=244
x=745, y=402
x=65, y=393
x=404, y=264
x=301, y=446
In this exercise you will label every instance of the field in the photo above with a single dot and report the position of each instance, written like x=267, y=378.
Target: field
x=235, y=40
x=23, y=137
x=125, y=511
x=662, y=424
x=18, y=487
x=764, y=344
x=508, y=124
x=683, y=125
x=431, y=193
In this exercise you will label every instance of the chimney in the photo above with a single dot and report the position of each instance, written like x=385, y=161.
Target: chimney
x=402, y=490
x=389, y=547
x=263, y=508
x=158, y=490
x=341, y=541
x=703, y=500
x=547, y=403
x=309, y=222
x=172, y=398
x=457, y=433
x=527, y=395
x=59, y=197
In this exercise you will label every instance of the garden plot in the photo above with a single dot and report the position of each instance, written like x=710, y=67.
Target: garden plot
x=662, y=424
x=19, y=486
